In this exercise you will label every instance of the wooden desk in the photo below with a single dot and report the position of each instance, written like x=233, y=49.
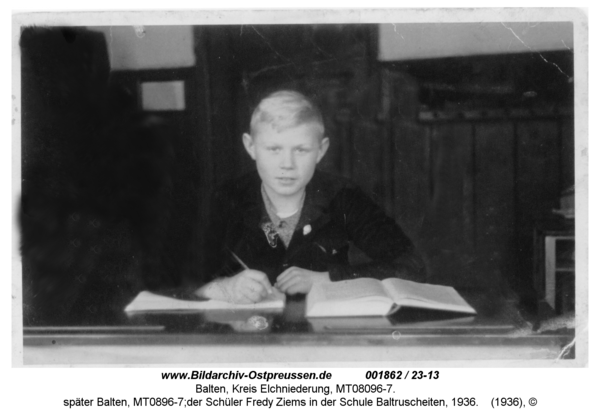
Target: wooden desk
x=226, y=337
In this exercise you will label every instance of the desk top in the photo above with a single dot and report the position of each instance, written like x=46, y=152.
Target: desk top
x=228, y=336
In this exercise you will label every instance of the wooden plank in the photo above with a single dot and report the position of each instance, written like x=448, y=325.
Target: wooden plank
x=537, y=189
x=445, y=240
x=387, y=168
x=495, y=198
x=367, y=158
x=410, y=180
x=567, y=143
x=538, y=168
x=468, y=188
x=550, y=265
x=229, y=158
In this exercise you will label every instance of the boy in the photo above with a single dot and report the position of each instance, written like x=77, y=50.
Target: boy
x=289, y=226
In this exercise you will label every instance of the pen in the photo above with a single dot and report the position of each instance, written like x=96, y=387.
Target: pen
x=237, y=258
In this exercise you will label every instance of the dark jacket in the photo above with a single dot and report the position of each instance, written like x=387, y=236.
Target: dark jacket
x=335, y=213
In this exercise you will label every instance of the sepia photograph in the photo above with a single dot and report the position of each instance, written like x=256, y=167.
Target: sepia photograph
x=266, y=187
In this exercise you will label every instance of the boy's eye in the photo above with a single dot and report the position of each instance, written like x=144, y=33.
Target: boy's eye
x=302, y=150
x=273, y=149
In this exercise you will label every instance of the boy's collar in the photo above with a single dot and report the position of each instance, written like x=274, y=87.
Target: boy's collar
x=319, y=193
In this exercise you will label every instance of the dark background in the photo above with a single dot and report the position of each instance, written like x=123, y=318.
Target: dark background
x=466, y=153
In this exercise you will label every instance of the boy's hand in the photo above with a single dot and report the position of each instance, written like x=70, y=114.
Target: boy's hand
x=249, y=286
x=296, y=280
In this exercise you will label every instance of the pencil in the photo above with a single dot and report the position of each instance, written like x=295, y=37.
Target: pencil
x=237, y=258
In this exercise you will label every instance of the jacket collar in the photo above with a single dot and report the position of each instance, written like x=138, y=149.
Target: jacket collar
x=319, y=193
x=316, y=205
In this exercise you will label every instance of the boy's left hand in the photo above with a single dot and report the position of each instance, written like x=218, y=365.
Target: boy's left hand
x=296, y=280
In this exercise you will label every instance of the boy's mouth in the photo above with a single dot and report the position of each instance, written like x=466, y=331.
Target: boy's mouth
x=286, y=180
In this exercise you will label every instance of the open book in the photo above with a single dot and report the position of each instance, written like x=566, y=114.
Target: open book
x=148, y=301
x=370, y=297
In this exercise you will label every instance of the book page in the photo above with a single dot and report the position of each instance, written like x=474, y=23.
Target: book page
x=351, y=289
x=412, y=293
x=362, y=296
x=148, y=301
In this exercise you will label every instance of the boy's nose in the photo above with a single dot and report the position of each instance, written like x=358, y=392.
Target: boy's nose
x=287, y=160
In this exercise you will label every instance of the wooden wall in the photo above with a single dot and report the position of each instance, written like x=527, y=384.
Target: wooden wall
x=467, y=191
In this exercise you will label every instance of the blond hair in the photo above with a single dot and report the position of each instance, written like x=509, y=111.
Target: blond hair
x=286, y=109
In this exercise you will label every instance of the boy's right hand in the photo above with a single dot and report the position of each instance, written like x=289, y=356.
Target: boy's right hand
x=249, y=286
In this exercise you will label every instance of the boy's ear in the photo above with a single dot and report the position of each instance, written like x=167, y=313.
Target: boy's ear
x=323, y=148
x=249, y=145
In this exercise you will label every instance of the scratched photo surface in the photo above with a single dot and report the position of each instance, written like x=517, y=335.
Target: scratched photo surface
x=462, y=132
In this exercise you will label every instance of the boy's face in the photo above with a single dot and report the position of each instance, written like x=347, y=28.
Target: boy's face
x=286, y=160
